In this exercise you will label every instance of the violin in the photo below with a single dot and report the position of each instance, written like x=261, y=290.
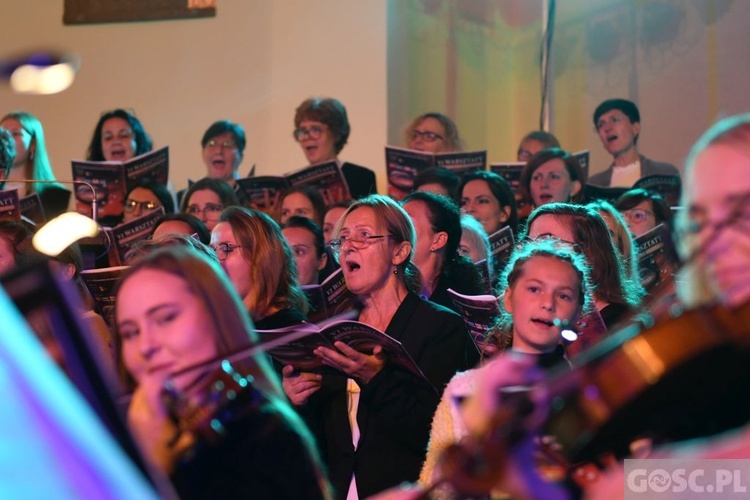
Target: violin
x=219, y=394
x=682, y=377
x=678, y=378
x=204, y=410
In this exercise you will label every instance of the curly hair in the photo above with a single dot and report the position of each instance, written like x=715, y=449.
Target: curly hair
x=143, y=142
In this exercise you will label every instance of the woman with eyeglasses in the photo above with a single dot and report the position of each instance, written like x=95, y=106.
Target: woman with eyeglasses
x=145, y=197
x=643, y=210
x=617, y=295
x=372, y=420
x=222, y=151
x=260, y=264
x=321, y=127
x=31, y=162
x=206, y=198
x=223, y=146
x=118, y=136
x=433, y=132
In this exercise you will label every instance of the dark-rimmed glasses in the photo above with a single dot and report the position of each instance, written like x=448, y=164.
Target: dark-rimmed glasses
x=314, y=132
x=426, y=136
x=223, y=250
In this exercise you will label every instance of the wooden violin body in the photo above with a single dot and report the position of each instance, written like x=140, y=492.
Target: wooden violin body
x=214, y=401
x=683, y=377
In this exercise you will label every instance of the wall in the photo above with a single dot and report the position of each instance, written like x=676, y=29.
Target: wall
x=683, y=62
x=253, y=63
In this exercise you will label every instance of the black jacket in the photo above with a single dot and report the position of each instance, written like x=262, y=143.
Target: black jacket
x=395, y=407
x=361, y=180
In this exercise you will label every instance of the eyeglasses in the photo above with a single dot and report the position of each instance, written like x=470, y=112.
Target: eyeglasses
x=313, y=132
x=637, y=214
x=209, y=208
x=612, y=120
x=131, y=205
x=357, y=242
x=426, y=136
x=224, y=249
x=216, y=144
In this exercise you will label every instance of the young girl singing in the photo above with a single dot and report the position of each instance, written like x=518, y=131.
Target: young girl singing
x=546, y=287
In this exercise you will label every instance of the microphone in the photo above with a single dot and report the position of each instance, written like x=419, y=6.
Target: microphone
x=73, y=183
x=565, y=332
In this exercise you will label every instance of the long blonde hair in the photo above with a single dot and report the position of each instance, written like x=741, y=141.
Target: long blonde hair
x=38, y=166
x=233, y=328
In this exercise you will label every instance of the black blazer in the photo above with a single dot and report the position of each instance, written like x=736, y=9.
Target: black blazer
x=396, y=407
x=361, y=180
x=264, y=455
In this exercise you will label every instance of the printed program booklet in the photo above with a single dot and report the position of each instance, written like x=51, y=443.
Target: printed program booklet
x=502, y=244
x=113, y=179
x=330, y=298
x=479, y=312
x=10, y=204
x=361, y=337
x=32, y=209
x=123, y=237
x=403, y=165
x=101, y=284
x=657, y=261
x=264, y=192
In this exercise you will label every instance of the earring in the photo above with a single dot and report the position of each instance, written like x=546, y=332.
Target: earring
x=395, y=271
